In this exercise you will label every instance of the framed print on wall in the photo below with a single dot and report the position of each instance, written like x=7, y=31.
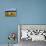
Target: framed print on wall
x=10, y=12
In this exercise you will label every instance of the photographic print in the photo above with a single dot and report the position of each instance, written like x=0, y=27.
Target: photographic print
x=10, y=12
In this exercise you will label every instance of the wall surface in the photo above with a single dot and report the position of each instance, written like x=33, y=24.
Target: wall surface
x=28, y=12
